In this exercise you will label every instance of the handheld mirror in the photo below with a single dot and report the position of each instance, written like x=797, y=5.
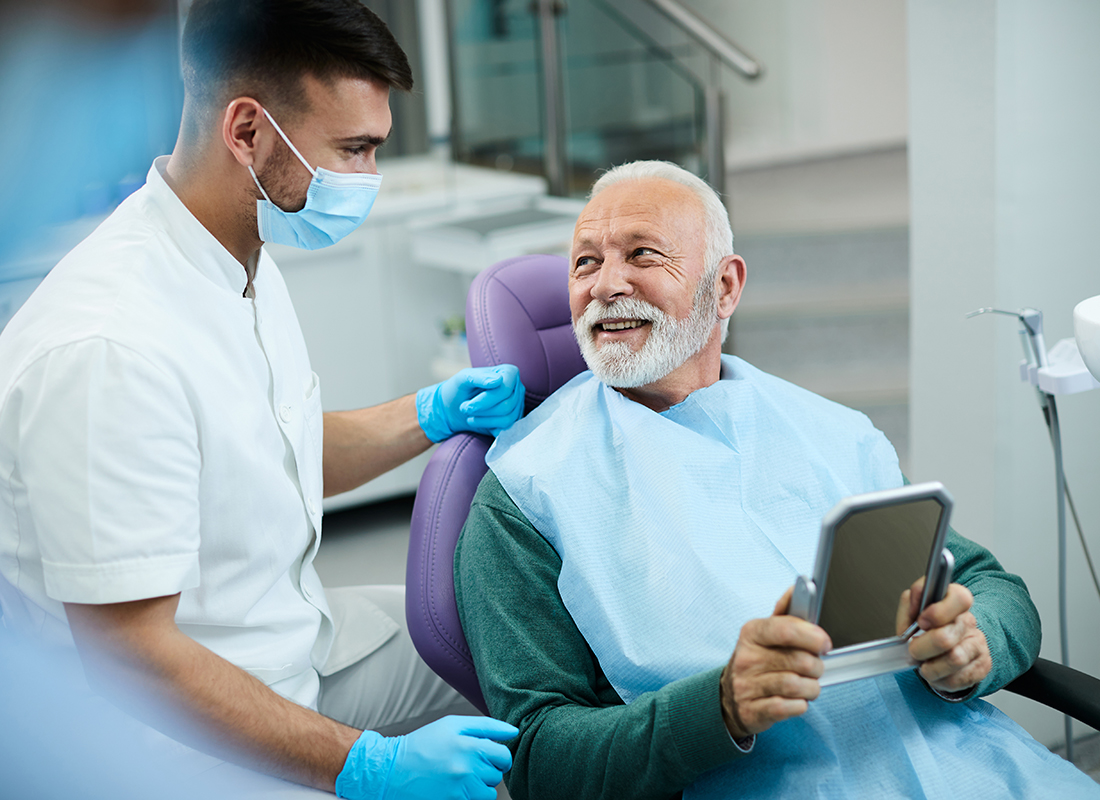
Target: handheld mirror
x=872, y=548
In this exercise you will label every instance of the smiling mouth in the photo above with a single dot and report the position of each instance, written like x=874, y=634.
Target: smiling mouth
x=620, y=325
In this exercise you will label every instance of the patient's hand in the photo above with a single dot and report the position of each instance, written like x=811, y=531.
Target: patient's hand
x=773, y=672
x=954, y=654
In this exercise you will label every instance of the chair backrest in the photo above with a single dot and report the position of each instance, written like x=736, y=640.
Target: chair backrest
x=517, y=312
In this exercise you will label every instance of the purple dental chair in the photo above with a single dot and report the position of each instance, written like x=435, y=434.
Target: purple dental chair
x=517, y=312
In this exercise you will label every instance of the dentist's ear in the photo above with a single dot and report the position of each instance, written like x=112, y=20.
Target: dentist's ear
x=731, y=282
x=242, y=134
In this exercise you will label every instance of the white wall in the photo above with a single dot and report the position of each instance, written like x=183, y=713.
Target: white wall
x=835, y=80
x=1004, y=176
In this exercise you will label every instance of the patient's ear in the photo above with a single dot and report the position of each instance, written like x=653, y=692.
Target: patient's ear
x=731, y=281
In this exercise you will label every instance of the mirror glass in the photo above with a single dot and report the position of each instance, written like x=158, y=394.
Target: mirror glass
x=877, y=554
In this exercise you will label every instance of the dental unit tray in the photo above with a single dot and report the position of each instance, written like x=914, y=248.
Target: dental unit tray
x=873, y=547
x=1064, y=373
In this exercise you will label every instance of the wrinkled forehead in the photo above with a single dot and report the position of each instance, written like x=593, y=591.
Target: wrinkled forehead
x=638, y=209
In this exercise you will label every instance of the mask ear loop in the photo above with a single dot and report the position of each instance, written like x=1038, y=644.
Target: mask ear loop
x=289, y=144
x=252, y=172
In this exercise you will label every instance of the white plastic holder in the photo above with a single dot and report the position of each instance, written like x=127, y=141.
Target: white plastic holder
x=1065, y=372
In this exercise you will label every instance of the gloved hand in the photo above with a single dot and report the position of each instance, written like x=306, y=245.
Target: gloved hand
x=453, y=757
x=478, y=399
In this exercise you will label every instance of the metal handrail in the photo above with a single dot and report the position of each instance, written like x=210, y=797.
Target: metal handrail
x=719, y=48
x=709, y=38
x=556, y=164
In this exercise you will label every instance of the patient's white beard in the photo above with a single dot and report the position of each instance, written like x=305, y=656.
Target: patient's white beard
x=670, y=343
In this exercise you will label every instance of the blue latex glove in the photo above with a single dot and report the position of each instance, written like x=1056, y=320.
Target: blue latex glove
x=454, y=757
x=478, y=399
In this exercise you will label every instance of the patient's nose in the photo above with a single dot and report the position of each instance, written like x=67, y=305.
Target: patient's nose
x=612, y=281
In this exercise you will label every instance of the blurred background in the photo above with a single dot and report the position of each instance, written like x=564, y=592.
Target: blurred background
x=888, y=166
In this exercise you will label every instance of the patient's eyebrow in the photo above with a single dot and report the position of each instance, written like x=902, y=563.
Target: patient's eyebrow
x=584, y=241
x=646, y=236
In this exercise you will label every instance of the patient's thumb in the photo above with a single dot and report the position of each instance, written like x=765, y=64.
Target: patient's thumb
x=904, y=616
x=784, y=604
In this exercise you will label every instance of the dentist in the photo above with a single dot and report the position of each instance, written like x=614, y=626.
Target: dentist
x=163, y=453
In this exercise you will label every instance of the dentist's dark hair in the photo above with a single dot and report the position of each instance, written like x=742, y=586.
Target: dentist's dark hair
x=263, y=48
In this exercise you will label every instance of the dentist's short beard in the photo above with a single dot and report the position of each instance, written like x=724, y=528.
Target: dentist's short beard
x=669, y=344
x=277, y=178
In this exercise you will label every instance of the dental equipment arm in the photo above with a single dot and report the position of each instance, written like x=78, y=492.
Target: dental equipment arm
x=1035, y=353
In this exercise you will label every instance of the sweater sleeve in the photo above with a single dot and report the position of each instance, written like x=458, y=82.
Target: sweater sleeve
x=577, y=739
x=1003, y=610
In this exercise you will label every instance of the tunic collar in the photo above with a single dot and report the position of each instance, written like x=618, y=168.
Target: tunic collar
x=202, y=249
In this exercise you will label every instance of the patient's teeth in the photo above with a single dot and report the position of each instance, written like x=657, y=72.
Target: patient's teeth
x=619, y=326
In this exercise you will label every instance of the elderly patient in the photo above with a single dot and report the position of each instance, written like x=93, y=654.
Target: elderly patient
x=641, y=525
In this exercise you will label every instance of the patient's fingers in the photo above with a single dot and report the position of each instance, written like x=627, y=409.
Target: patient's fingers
x=788, y=632
x=778, y=708
x=773, y=673
x=934, y=643
x=961, y=667
x=799, y=662
x=956, y=601
x=754, y=660
x=954, y=656
x=753, y=702
x=784, y=685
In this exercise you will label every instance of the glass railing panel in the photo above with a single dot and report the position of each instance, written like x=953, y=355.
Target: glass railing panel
x=626, y=96
x=497, y=104
x=626, y=93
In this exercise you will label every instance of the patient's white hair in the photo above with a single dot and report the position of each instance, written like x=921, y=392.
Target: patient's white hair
x=717, y=230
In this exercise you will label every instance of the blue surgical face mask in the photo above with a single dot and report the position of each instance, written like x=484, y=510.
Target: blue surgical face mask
x=336, y=204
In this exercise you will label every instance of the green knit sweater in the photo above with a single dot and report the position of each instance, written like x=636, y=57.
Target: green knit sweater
x=577, y=739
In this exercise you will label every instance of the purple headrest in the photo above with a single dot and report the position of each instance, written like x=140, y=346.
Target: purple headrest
x=530, y=324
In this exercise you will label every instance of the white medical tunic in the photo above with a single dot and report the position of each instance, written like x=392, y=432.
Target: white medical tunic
x=160, y=433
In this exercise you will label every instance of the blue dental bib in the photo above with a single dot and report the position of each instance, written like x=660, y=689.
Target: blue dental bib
x=674, y=529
